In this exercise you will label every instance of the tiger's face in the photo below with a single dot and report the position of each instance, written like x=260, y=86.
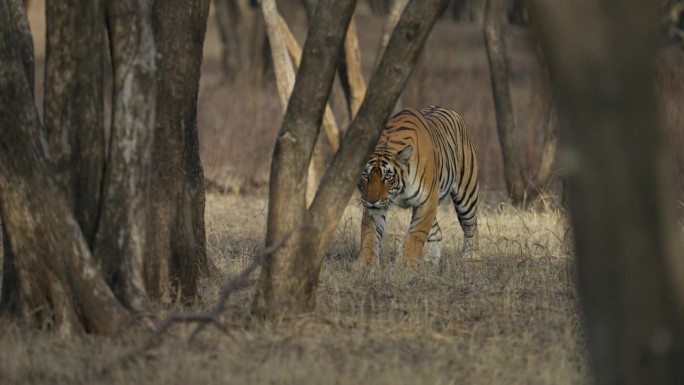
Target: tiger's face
x=381, y=178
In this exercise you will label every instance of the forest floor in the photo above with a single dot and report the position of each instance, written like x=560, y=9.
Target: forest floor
x=511, y=318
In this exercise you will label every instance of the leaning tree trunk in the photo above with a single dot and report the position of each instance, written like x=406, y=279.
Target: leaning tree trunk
x=630, y=270
x=354, y=88
x=329, y=140
x=65, y=291
x=176, y=251
x=289, y=277
x=351, y=77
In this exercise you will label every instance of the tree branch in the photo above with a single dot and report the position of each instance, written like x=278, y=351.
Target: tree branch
x=202, y=318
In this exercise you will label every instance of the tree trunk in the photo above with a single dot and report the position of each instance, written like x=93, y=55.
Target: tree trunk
x=74, y=104
x=325, y=147
x=352, y=78
x=505, y=122
x=24, y=47
x=242, y=37
x=120, y=240
x=354, y=88
x=476, y=9
x=282, y=64
x=630, y=270
x=289, y=277
x=387, y=28
x=520, y=187
x=176, y=247
x=65, y=291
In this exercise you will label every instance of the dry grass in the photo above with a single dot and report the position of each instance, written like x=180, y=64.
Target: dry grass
x=511, y=318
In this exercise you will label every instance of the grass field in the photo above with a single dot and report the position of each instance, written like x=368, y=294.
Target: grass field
x=511, y=318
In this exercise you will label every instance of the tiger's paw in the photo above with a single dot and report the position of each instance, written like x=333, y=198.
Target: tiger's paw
x=471, y=255
x=404, y=261
x=367, y=263
x=432, y=253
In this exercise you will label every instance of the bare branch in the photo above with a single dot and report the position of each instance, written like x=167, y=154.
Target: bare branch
x=206, y=317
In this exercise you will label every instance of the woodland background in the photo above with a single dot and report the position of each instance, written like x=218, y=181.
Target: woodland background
x=238, y=115
x=546, y=304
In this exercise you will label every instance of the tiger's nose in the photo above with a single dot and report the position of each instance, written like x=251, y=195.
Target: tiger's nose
x=372, y=200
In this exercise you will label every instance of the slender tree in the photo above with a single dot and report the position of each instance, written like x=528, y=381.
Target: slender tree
x=176, y=249
x=630, y=270
x=520, y=187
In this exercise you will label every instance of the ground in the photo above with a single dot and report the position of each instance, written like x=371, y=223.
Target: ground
x=511, y=318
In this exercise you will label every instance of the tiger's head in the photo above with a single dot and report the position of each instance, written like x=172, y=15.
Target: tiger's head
x=381, y=179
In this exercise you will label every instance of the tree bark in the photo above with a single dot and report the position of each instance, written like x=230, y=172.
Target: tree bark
x=387, y=28
x=355, y=88
x=282, y=64
x=505, y=121
x=74, y=104
x=65, y=291
x=477, y=11
x=242, y=37
x=120, y=240
x=322, y=151
x=176, y=248
x=351, y=76
x=521, y=188
x=289, y=277
x=630, y=270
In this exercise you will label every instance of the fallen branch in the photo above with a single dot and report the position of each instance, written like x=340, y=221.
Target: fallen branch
x=211, y=316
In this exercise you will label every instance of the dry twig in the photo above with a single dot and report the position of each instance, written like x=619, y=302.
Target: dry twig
x=202, y=318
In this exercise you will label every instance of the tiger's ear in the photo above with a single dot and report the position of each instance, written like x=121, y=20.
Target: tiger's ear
x=405, y=154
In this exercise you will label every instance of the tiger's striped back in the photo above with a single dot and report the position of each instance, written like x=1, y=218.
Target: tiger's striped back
x=455, y=145
x=422, y=158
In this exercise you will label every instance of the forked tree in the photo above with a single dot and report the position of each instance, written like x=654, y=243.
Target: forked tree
x=78, y=235
x=630, y=270
x=289, y=276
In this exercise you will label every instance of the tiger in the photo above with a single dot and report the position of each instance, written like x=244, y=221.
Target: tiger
x=421, y=159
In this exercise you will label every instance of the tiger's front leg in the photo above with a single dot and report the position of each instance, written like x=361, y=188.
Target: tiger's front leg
x=421, y=222
x=372, y=230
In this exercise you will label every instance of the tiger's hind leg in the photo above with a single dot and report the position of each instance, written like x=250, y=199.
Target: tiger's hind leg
x=433, y=249
x=466, y=211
